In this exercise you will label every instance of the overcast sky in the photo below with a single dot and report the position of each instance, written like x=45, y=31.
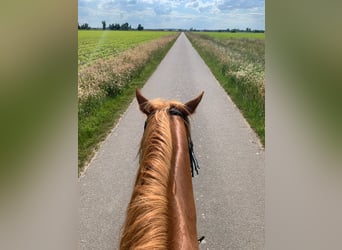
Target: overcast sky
x=185, y=14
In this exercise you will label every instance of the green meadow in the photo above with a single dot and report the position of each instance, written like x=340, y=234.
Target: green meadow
x=111, y=65
x=95, y=44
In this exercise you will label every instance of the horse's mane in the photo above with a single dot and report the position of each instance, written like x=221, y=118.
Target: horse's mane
x=147, y=215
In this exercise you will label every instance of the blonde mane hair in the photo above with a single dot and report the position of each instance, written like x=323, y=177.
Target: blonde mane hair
x=146, y=224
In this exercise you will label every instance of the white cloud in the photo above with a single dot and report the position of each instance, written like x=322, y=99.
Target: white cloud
x=202, y=6
x=208, y=14
x=226, y=5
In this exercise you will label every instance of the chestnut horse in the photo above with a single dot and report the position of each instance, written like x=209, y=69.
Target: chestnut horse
x=162, y=213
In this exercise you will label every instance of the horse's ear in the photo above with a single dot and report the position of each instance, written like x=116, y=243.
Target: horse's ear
x=142, y=101
x=192, y=105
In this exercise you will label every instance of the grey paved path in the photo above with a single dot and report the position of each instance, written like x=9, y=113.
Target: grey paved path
x=230, y=189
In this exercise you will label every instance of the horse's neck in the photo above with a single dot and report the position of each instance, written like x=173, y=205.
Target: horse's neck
x=182, y=205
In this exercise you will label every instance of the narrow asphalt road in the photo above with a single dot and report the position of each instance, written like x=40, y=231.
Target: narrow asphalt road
x=230, y=187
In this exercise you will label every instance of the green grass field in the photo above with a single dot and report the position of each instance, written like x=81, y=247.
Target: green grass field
x=106, y=87
x=225, y=35
x=94, y=44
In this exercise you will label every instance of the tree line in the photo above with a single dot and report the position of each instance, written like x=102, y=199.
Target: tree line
x=248, y=30
x=116, y=26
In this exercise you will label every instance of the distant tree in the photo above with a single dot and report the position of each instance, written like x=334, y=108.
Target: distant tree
x=114, y=26
x=79, y=27
x=117, y=26
x=125, y=26
x=85, y=26
x=248, y=29
x=140, y=27
x=103, y=25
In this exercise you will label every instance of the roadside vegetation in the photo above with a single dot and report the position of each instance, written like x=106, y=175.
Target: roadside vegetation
x=106, y=86
x=238, y=62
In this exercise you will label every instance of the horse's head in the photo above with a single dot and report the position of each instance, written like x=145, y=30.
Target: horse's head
x=154, y=220
x=172, y=108
x=148, y=107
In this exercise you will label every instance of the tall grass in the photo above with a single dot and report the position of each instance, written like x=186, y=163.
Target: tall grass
x=239, y=65
x=106, y=88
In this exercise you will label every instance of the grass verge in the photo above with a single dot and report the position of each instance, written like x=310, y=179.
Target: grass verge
x=95, y=123
x=245, y=96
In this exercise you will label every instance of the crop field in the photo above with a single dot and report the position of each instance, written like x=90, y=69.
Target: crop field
x=105, y=75
x=111, y=65
x=238, y=62
x=95, y=44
